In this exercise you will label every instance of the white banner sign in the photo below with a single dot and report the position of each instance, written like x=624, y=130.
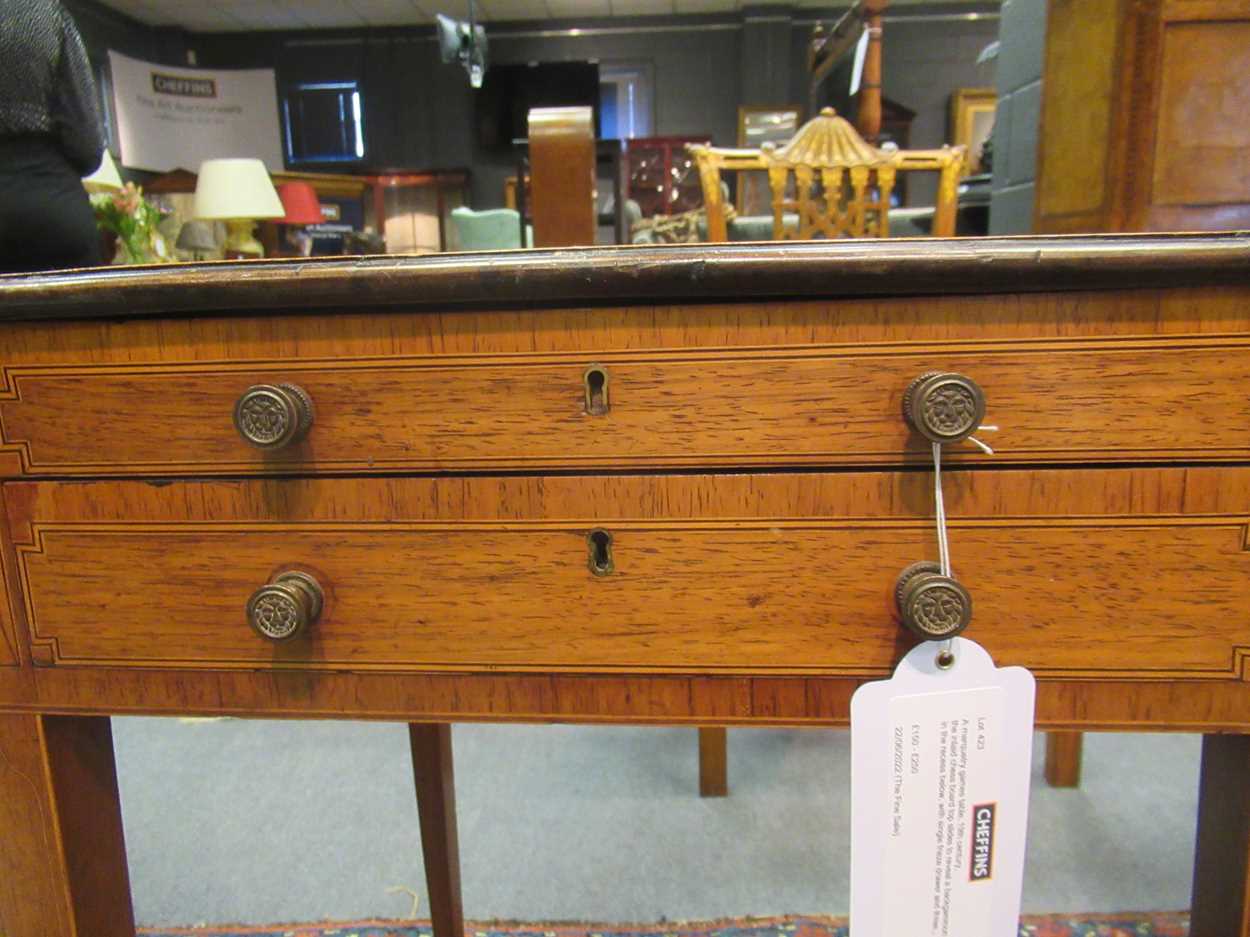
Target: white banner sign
x=175, y=118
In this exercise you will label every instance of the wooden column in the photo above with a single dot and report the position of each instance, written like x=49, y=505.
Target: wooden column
x=713, y=763
x=1063, y=759
x=436, y=806
x=868, y=120
x=61, y=844
x=1221, y=894
x=562, y=176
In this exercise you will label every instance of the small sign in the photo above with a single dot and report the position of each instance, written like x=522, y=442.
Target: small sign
x=940, y=765
x=174, y=117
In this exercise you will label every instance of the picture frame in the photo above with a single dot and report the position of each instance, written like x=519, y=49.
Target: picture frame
x=758, y=125
x=972, y=122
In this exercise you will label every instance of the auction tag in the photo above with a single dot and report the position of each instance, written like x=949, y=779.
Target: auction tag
x=940, y=765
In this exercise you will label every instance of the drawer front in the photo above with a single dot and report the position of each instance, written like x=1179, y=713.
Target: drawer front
x=1144, y=595
x=1078, y=400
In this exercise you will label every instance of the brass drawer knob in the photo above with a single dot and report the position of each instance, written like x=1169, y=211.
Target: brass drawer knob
x=944, y=407
x=271, y=416
x=932, y=606
x=285, y=607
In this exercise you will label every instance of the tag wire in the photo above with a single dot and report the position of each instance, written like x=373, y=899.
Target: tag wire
x=946, y=656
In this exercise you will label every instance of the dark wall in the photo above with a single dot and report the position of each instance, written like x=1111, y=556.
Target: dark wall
x=103, y=29
x=1020, y=55
x=924, y=59
x=419, y=112
x=695, y=80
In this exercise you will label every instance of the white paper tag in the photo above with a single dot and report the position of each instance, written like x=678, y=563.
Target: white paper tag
x=940, y=765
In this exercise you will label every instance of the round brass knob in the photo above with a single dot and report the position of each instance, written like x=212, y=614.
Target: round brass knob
x=271, y=416
x=285, y=607
x=933, y=606
x=943, y=406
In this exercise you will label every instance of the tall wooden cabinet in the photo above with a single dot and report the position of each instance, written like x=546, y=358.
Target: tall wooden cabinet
x=1144, y=116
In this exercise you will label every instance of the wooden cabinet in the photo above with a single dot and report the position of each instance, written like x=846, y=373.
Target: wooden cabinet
x=412, y=209
x=662, y=177
x=1143, y=116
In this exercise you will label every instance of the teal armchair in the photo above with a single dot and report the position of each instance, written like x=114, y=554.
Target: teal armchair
x=494, y=229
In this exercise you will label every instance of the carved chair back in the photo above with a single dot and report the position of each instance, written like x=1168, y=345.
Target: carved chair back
x=828, y=178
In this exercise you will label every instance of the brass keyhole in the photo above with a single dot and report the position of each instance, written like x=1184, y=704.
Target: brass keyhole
x=600, y=546
x=596, y=381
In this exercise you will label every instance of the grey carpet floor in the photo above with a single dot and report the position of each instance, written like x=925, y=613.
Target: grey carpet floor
x=262, y=822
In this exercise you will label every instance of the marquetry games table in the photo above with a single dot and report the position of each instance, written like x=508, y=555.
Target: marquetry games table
x=631, y=485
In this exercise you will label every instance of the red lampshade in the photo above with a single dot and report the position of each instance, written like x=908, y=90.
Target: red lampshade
x=300, y=201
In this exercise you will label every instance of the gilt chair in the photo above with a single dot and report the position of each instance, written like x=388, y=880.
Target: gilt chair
x=827, y=181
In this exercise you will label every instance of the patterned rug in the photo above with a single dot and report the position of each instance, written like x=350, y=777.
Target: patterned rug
x=1162, y=924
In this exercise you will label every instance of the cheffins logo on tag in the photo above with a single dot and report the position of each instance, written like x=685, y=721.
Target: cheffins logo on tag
x=981, y=867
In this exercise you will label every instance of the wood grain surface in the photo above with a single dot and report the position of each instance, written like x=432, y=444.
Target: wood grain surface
x=1221, y=890
x=456, y=590
x=62, y=853
x=1134, y=133
x=435, y=777
x=1179, y=311
x=713, y=761
x=562, y=171
x=1072, y=573
x=1081, y=399
x=615, y=275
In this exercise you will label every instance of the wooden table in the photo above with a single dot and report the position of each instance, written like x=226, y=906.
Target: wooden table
x=631, y=485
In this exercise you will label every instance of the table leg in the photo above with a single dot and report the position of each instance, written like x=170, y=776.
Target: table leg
x=713, y=763
x=436, y=805
x=1063, y=759
x=1221, y=894
x=62, y=855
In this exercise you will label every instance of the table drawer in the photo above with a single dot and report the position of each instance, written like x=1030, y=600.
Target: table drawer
x=1116, y=573
x=1108, y=400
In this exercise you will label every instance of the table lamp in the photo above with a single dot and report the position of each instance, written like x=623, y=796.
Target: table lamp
x=301, y=203
x=106, y=178
x=238, y=192
x=197, y=238
x=302, y=208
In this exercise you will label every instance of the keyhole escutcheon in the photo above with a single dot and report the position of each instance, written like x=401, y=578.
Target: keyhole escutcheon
x=596, y=383
x=599, y=544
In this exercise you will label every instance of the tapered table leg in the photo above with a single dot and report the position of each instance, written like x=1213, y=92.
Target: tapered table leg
x=436, y=806
x=1221, y=895
x=713, y=763
x=62, y=855
x=1063, y=759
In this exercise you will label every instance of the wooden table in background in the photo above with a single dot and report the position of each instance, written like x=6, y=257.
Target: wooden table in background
x=646, y=485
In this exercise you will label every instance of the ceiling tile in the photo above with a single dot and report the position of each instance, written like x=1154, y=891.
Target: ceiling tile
x=204, y=15
x=325, y=14
x=253, y=15
x=457, y=9
x=642, y=7
x=572, y=9
x=204, y=18
x=388, y=12
x=503, y=10
x=154, y=13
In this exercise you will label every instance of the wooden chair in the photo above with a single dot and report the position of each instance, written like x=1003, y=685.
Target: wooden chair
x=828, y=182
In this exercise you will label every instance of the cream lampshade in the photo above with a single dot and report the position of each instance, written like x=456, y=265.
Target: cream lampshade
x=238, y=192
x=106, y=178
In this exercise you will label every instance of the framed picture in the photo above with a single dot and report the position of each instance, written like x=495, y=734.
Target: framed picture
x=972, y=122
x=757, y=126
